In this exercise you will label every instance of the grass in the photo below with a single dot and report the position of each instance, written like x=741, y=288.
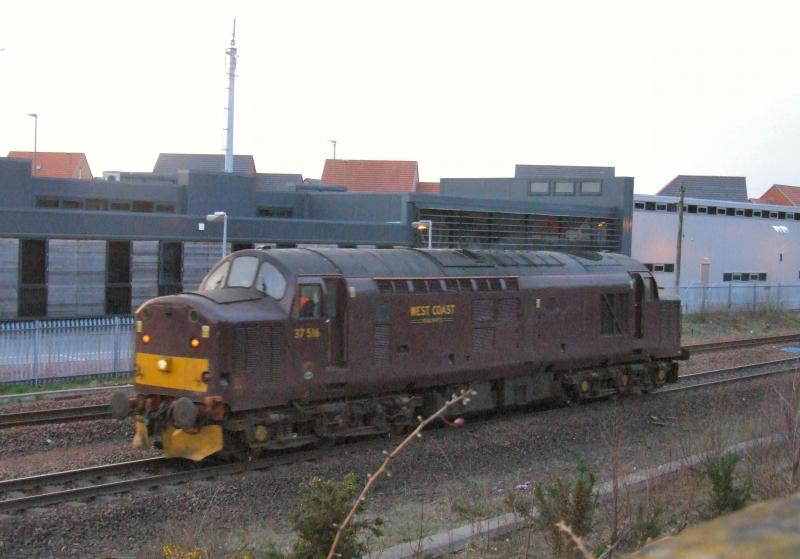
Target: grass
x=24, y=389
x=699, y=327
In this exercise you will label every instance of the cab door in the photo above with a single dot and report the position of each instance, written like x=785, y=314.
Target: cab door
x=309, y=335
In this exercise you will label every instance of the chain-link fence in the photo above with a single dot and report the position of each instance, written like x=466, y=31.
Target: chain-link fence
x=41, y=351
x=739, y=297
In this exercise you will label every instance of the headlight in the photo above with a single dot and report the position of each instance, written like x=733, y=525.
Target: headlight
x=163, y=365
x=194, y=342
x=146, y=339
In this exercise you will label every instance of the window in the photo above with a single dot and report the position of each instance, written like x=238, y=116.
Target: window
x=243, y=271
x=330, y=298
x=271, y=281
x=309, y=303
x=781, y=215
x=71, y=204
x=540, y=187
x=658, y=267
x=565, y=188
x=165, y=208
x=702, y=210
x=46, y=203
x=772, y=214
x=32, y=293
x=170, y=265
x=120, y=206
x=730, y=211
x=672, y=208
x=755, y=213
x=661, y=207
x=240, y=246
x=216, y=279
x=118, y=277
x=143, y=207
x=744, y=276
x=739, y=212
x=639, y=205
x=650, y=206
x=670, y=268
x=692, y=209
x=95, y=204
x=722, y=211
x=765, y=214
x=591, y=187
x=748, y=213
x=275, y=212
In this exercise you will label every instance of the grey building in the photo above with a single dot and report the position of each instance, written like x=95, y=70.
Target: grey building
x=91, y=247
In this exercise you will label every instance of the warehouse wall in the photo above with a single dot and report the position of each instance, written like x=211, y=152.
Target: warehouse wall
x=9, y=277
x=76, y=278
x=144, y=272
x=198, y=258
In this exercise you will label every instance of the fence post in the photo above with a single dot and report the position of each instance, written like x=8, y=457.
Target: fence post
x=115, y=366
x=37, y=344
x=754, y=297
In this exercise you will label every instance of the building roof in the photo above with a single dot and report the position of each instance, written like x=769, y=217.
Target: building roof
x=733, y=189
x=571, y=171
x=60, y=165
x=168, y=164
x=285, y=182
x=360, y=175
x=781, y=194
x=428, y=187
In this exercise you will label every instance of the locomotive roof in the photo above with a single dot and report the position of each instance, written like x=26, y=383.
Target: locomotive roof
x=408, y=262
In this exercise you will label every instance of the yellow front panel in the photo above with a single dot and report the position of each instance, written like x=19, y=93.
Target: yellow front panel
x=184, y=373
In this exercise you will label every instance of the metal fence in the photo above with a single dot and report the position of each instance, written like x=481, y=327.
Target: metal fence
x=739, y=297
x=41, y=351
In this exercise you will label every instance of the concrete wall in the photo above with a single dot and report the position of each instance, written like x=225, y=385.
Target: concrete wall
x=198, y=259
x=144, y=272
x=76, y=278
x=9, y=277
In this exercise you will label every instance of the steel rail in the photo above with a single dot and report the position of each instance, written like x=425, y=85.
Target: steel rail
x=736, y=344
x=49, y=498
x=732, y=374
x=58, y=415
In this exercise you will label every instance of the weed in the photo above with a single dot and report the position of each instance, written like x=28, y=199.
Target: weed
x=725, y=495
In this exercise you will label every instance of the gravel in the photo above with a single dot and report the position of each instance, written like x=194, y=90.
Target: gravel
x=438, y=481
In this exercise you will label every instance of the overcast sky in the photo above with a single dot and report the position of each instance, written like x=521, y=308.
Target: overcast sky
x=468, y=89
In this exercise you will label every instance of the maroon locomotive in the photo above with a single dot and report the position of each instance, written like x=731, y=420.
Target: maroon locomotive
x=289, y=347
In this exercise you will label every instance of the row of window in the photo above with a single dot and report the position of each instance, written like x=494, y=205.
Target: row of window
x=399, y=287
x=669, y=268
x=99, y=204
x=565, y=188
x=32, y=292
x=744, y=276
x=715, y=210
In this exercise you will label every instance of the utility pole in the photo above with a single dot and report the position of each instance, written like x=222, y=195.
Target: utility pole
x=680, y=239
x=35, y=117
x=231, y=52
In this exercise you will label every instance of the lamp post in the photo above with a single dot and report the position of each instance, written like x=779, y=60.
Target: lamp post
x=333, y=143
x=35, y=117
x=425, y=225
x=216, y=216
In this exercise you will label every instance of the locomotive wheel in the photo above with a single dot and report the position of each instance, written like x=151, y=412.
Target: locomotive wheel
x=569, y=395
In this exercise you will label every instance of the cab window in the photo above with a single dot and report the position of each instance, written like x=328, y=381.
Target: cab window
x=216, y=280
x=243, y=271
x=309, y=304
x=271, y=281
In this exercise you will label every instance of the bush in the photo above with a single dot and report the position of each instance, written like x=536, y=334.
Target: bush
x=647, y=526
x=568, y=501
x=323, y=507
x=725, y=495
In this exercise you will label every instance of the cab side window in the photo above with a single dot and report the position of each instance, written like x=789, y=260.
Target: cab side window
x=309, y=303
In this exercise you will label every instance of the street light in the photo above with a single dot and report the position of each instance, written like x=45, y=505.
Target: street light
x=35, y=117
x=424, y=225
x=216, y=216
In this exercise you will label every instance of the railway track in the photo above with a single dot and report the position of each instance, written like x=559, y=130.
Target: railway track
x=746, y=342
x=732, y=374
x=87, y=484
x=61, y=415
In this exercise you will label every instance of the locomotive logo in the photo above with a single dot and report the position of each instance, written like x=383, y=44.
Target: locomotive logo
x=428, y=314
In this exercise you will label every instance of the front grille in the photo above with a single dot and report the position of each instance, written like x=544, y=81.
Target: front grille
x=258, y=350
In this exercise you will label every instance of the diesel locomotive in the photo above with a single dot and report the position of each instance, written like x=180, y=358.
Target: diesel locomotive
x=288, y=347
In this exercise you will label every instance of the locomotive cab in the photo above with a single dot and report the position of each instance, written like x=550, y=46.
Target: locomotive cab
x=186, y=383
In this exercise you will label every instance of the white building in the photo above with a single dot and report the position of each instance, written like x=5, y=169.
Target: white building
x=735, y=255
